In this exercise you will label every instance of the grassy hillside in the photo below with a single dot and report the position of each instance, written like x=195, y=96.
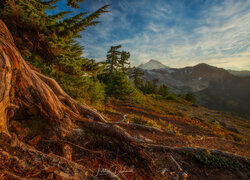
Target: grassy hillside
x=185, y=125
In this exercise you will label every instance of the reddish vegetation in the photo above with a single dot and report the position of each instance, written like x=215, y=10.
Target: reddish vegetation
x=192, y=133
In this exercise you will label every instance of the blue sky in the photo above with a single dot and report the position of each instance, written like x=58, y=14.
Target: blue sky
x=177, y=33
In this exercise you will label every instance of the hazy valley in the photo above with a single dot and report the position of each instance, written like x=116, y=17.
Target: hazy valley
x=215, y=88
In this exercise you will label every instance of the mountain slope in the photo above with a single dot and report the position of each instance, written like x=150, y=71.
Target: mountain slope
x=214, y=87
x=240, y=73
x=183, y=125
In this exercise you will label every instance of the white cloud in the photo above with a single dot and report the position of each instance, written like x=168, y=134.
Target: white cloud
x=220, y=36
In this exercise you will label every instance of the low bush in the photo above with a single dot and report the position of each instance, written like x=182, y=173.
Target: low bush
x=206, y=157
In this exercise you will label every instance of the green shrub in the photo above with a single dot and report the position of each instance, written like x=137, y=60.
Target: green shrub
x=190, y=97
x=172, y=97
x=163, y=90
x=119, y=87
x=138, y=120
x=207, y=157
x=96, y=91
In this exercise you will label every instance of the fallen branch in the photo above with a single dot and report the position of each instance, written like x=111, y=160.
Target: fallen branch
x=124, y=118
x=109, y=174
x=11, y=175
x=140, y=127
x=176, y=164
x=110, y=130
x=193, y=149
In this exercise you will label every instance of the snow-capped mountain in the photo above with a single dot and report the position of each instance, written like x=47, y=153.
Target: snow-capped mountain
x=214, y=87
x=152, y=64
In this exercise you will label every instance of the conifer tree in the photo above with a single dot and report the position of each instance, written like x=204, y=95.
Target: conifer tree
x=136, y=74
x=49, y=41
x=163, y=90
x=124, y=61
x=190, y=97
x=112, y=61
x=154, y=84
x=148, y=87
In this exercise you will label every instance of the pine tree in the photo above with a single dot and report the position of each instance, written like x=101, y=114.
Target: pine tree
x=163, y=90
x=136, y=74
x=154, y=84
x=49, y=41
x=190, y=97
x=148, y=88
x=112, y=61
x=123, y=62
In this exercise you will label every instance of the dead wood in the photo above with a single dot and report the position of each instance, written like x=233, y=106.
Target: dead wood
x=192, y=150
x=75, y=145
x=140, y=127
x=176, y=163
x=107, y=174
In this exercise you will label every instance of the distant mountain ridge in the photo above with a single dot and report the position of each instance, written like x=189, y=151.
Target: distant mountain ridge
x=240, y=73
x=215, y=88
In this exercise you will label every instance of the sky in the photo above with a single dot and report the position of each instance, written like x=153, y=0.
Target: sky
x=177, y=33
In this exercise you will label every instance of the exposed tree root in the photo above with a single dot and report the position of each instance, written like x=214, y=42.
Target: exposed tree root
x=77, y=146
x=75, y=106
x=181, y=174
x=28, y=160
x=140, y=127
x=193, y=149
x=105, y=173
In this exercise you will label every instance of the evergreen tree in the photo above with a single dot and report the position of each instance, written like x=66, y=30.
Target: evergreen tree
x=49, y=41
x=123, y=62
x=74, y=3
x=190, y=97
x=136, y=74
x=112, y=61
x=163, y=90
x=119, y=86
x=154, y=84
x=148, y=88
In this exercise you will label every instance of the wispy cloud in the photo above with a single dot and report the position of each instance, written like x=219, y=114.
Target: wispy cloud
x=217, y=33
